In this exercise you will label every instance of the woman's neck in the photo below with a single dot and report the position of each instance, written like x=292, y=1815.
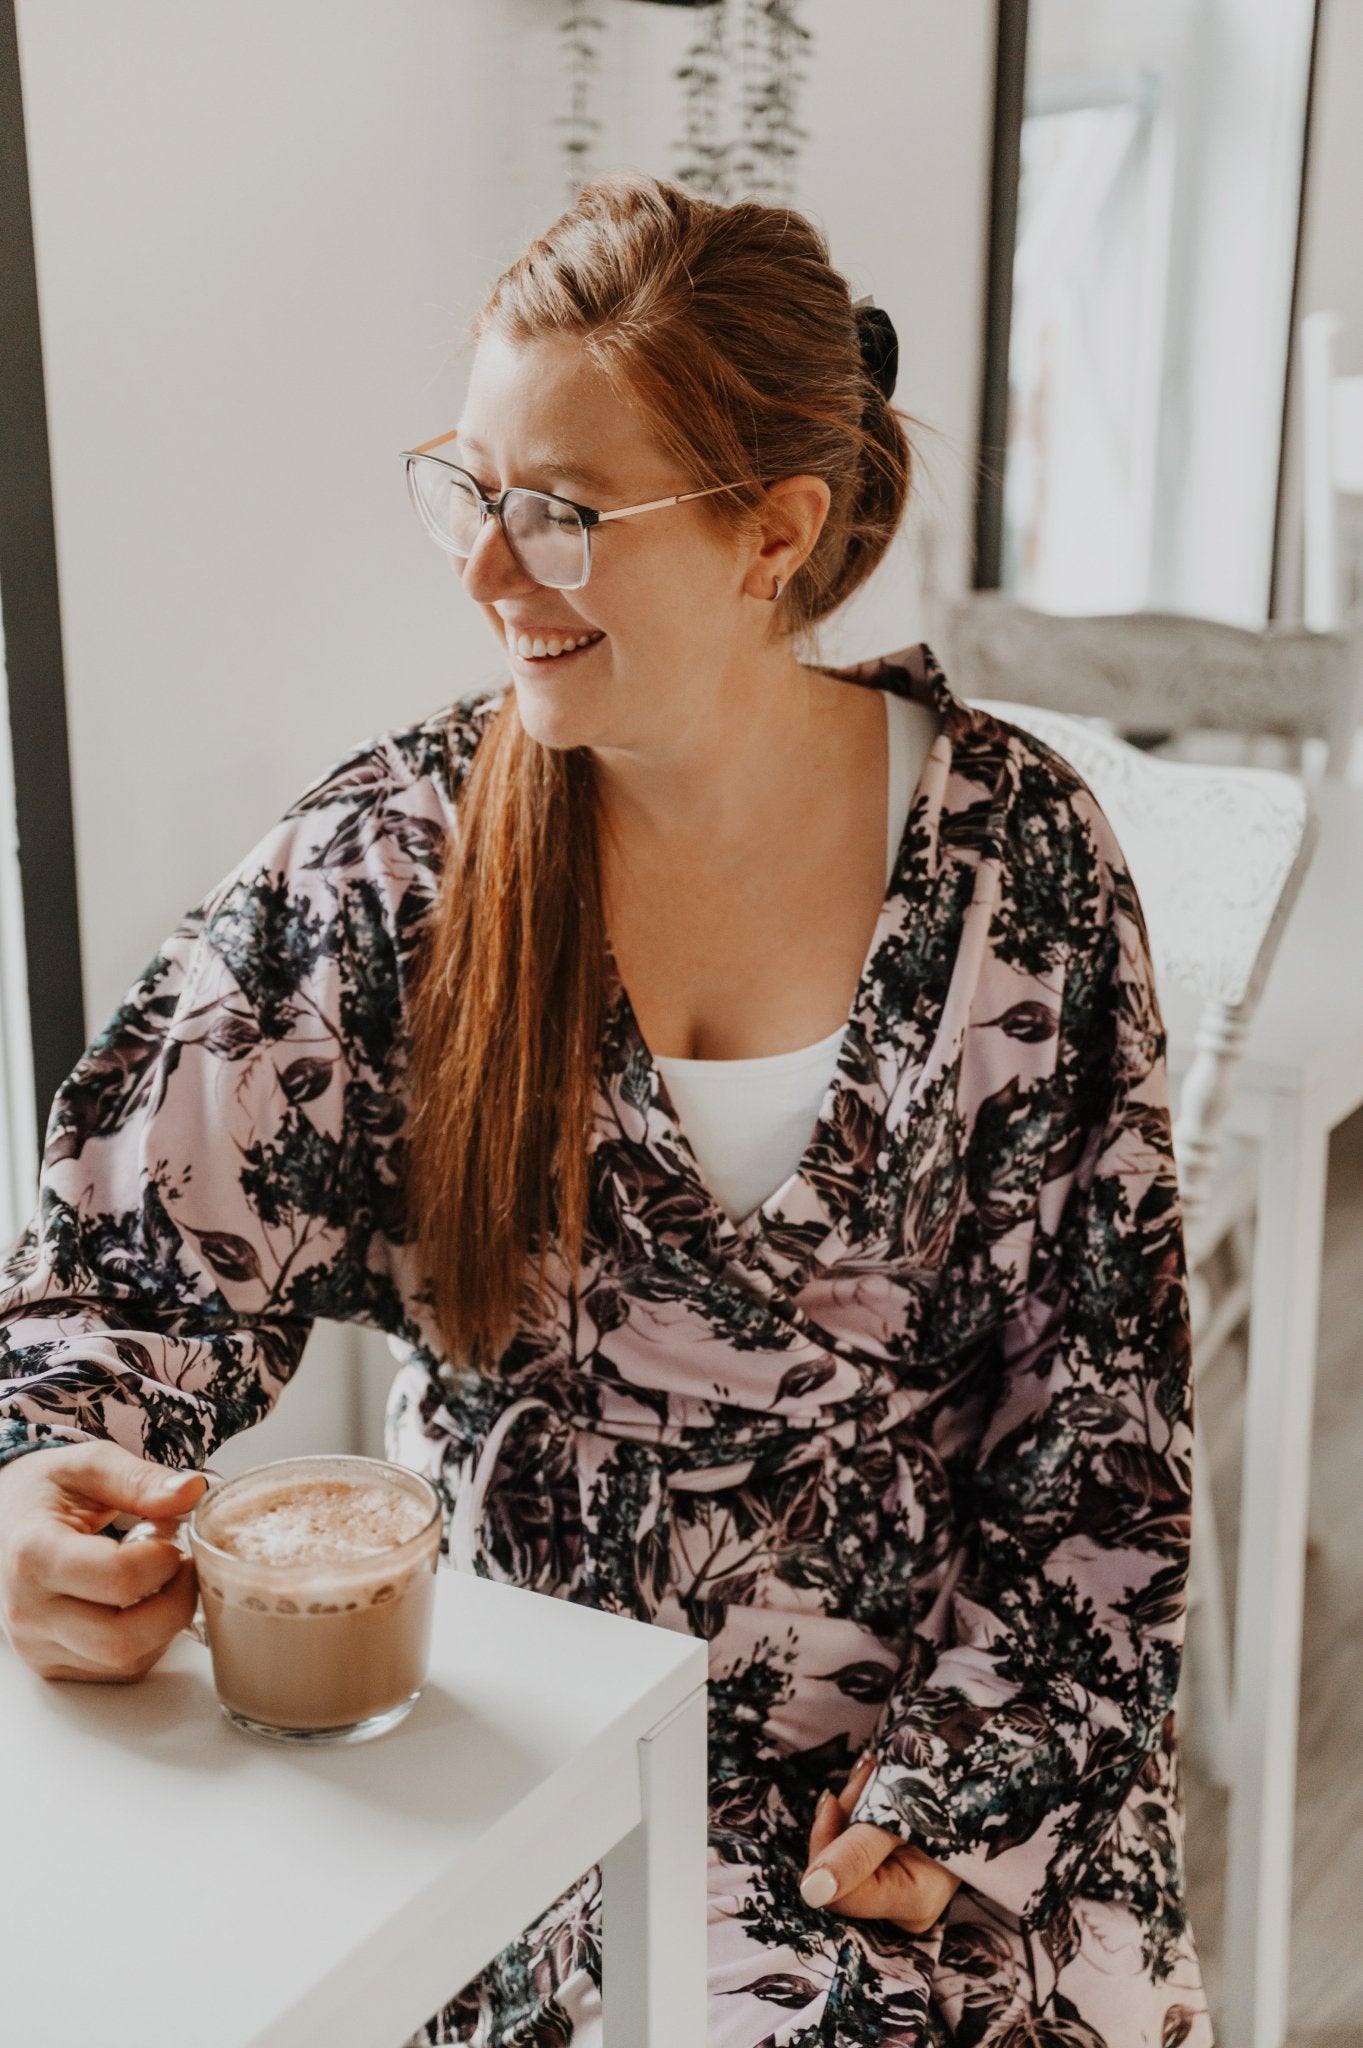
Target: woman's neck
x=757, y=745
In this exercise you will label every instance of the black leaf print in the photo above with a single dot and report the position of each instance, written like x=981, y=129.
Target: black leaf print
x=420, y=839
x=1141, y=1472
x=636, y=1085
x=866, y=1681
x=303, y=1080
x=350, y=839
x=135, y=1356
x=1067, y=1144
x=801, y=1380
x=607, y=1307
x=1030, y=1022
x=917, y=1808
x=1084, y=1408
x=232, y=1256
x=978, y=1952
x=232, y=1036
x=1178, y=2024
x=1159, y=1603
x=1061, y=1939
x=105, y=1089
x=783, y=1988
x=1056, y=2033
x=1109, y=1751
x=372, y=1110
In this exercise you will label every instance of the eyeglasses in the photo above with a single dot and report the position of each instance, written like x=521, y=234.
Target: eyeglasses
x=550, y=537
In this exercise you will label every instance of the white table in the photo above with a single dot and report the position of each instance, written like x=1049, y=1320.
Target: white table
x=1302, y=1074
x=171, y=1883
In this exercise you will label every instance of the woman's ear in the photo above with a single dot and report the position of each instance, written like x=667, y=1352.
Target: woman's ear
x=790, y=519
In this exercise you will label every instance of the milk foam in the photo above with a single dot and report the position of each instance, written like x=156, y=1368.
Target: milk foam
x=315, y=1521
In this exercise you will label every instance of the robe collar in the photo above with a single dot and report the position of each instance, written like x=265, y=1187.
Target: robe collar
x=859, y=1193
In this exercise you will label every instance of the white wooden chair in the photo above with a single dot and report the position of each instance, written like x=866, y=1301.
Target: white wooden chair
x=1217, y=854
x=1332, y=466
x=1156, y=673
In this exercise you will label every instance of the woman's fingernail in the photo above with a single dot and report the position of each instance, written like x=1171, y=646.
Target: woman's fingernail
x=824, y=1798
x=868, y=1756
x=818, y=1887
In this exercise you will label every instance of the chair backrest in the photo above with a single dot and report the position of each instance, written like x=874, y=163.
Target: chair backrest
x=1332, y=463
x=1157, y=672
x=1217, y=855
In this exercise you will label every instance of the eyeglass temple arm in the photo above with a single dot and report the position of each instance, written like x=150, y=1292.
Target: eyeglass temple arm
x=657, y=504
x=439, y=442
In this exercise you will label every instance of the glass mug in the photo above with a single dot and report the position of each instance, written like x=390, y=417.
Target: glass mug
x=313, y=1639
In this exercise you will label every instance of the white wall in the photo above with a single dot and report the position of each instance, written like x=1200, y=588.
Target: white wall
x=1331, y=270
x=261, y=227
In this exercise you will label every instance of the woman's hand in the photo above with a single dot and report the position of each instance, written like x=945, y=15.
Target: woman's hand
x=73, y=1604
x=866, y=1872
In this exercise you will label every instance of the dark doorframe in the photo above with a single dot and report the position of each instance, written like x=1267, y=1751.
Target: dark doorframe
x=32, y=618
x=1010, y=79
x=1293, y=315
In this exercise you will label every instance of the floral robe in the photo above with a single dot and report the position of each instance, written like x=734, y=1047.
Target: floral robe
x=909, y=1446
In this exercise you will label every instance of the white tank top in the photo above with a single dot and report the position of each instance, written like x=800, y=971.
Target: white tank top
x=749, y=1122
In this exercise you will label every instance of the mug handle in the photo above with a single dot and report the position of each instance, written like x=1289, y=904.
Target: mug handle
x=140, y=1531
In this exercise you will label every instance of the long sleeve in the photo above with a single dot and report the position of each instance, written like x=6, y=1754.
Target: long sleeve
x=224, y=1165
x=1038, y=1685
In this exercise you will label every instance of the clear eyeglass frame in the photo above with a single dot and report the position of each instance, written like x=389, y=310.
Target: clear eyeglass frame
x=588, y=518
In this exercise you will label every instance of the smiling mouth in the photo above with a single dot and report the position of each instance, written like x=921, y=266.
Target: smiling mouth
x=551, y=646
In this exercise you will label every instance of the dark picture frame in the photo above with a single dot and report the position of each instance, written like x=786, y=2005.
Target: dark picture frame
x=1010, y=84
x=1010, y=87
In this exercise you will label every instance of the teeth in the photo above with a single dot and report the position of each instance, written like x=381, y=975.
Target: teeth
x=538, y=648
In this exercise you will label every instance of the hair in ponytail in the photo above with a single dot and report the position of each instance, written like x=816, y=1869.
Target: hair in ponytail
x=739, y=342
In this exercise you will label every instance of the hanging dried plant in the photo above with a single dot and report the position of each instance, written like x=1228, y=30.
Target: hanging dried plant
x=706, y=157
x=764, y=58
x=774, y=47
x=741, y=80
x=580, y=31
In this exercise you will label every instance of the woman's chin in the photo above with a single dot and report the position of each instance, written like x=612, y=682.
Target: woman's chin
x=550, y=715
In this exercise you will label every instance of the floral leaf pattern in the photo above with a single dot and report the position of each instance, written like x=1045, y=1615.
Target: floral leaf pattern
x=909, y=1447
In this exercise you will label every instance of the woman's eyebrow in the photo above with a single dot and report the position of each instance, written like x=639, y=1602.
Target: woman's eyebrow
x=547, y=462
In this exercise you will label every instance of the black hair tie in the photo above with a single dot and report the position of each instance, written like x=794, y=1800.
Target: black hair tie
x=879, y=347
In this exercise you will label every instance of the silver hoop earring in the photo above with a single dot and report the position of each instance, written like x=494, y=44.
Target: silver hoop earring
x=776, y=593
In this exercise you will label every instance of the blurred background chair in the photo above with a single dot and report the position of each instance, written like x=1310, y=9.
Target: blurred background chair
x=1217, y=854
x=1159, y=677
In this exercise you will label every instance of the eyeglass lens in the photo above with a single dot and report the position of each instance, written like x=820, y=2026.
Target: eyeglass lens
x=545, y=534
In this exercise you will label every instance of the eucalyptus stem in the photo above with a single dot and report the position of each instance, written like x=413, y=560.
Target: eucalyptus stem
x=768, y=45
x=706, y=164
x=580, y=32
x=771, y=93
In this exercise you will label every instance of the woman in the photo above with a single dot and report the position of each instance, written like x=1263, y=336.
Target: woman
x=739, y=1087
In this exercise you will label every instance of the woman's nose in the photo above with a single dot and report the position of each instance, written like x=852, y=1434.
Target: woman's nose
x=490, y=570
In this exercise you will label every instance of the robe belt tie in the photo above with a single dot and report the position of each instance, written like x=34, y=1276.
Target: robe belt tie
x=527, y=1509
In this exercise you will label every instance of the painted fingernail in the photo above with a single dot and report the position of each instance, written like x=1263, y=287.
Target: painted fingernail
x=824, y=1798
x=818, y=1887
